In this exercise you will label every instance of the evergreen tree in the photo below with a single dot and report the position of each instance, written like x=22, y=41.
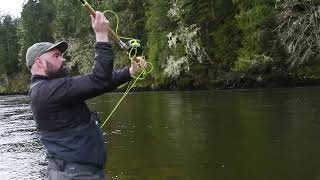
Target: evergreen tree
x=224, y=34
x=36, y=23
x=9, y=46
x=71, y=20
x=157, y=26
x=255, y=20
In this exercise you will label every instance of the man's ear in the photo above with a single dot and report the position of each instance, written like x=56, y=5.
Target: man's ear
x=39, y=63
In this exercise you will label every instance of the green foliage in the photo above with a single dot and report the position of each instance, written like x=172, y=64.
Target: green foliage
x=225, y=34
x=204, y=14
x=157, y=27
x=309, y=72
x=81, y=54
x=184, y=41
x=36, y=23
x=254, y=20
x=18, y=84
x=73, y=24
x=71, y=21
x=131, y=23
x=9, y=46
x=190, y=43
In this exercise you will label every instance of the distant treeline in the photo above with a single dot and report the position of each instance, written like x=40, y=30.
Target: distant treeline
x=192, y=44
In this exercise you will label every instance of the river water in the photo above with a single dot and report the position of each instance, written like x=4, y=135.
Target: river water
x=203, y=135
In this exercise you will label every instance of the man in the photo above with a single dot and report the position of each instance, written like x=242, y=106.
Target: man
x=69, y=132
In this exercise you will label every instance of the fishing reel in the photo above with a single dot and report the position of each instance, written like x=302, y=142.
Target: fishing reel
x=135, y=48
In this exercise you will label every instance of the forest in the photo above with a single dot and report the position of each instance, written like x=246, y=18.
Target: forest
x=202, y=44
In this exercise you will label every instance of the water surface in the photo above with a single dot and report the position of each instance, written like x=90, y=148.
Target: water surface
x=221, y=135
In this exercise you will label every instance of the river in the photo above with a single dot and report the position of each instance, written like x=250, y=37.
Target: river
x=200, y=135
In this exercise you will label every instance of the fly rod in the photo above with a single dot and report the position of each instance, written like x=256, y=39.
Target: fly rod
x=113, y=35
x=134, y=50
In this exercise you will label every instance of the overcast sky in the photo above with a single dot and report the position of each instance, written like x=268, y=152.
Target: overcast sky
x=12, y=7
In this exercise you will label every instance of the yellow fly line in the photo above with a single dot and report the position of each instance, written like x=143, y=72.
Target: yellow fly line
x=132, y=47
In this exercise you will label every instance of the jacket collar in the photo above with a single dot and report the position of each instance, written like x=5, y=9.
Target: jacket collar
x=35, y=78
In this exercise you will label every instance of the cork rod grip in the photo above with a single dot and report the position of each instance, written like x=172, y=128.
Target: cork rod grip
x=93, y=13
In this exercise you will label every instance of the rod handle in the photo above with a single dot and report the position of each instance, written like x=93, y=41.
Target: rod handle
x=90, y=9
x=111, y=32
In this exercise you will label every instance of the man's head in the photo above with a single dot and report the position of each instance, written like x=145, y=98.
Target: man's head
x=46, y=59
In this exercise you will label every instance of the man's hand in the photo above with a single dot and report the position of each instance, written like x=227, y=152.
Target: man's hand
x=137, y=65
x=100, y=25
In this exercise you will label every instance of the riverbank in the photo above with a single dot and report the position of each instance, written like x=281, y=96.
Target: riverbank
x=19, y=84
x=21, y=88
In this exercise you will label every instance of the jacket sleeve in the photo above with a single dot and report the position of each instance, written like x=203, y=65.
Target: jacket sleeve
x=102, y=79
x=119, y=77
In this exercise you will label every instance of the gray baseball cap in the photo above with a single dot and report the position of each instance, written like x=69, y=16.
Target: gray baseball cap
x=38, y=49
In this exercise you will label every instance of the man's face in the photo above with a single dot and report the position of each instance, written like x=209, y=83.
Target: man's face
x=55, y=64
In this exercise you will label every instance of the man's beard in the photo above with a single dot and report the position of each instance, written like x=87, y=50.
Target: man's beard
x=63, y=71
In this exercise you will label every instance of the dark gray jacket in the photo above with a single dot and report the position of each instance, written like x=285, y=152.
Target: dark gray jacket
x=62, y=116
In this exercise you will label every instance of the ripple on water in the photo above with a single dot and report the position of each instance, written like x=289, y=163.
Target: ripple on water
x=22, y=156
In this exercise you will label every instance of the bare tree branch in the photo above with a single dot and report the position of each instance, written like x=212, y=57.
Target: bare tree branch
x=298, y=29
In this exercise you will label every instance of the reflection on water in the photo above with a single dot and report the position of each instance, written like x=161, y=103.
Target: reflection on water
x=222, y=135
x=240, y=134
